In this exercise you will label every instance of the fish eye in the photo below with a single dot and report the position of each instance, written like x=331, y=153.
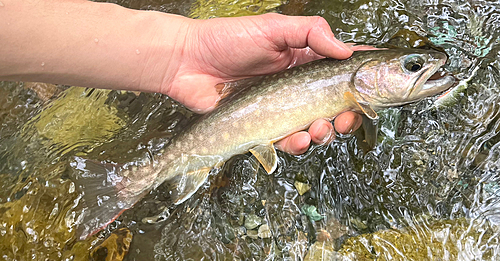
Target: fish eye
x=413, y=63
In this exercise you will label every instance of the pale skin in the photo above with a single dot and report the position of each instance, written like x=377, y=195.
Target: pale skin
x=101, y=45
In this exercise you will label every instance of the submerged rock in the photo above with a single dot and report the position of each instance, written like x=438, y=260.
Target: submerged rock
x=322, y=251
x=114, y=248
x=78, y=118
x=264, y=231
x=311, y=212
x=252, y=221
x=460, y=239
x=302, y=188
x=205, y=9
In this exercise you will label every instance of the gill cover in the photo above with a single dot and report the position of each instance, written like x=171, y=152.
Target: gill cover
x=390, y=79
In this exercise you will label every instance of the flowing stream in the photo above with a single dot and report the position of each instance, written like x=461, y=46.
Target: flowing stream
x=429, y=190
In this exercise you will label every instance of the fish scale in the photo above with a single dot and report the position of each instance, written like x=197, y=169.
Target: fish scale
x=256, y=115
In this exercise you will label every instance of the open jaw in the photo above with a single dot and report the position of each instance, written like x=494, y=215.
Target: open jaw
x=438, y=82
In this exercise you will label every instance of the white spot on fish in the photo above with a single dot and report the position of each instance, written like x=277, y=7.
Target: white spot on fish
x=235, y=124
x=211, y=139
x=204, y=150
x=225, y=135
x=190, y=137
x=96, y=40
x=247, y=125
x=171, y=157
x=309, y=106
x=178, y=145
x=137, y=51
x=43, y=64
x=257, y=112
x=268, y=122
x=1, y=4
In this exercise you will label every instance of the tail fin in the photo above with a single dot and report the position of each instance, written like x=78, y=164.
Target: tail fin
x=102, y=186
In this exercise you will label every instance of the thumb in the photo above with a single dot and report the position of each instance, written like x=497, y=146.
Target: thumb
x=306, y=31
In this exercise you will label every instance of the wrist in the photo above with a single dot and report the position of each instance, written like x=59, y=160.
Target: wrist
x=88, y=44
x=166, y=49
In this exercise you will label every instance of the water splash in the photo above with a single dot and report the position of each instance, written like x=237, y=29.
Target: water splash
x=430, y=187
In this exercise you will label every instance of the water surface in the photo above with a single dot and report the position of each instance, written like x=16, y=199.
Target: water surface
x=429, y=190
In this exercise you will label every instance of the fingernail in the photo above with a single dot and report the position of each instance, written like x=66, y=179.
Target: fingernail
x=342, y=45
x=324, y=134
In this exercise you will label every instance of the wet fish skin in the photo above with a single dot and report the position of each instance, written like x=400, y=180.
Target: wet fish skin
x=275, y=107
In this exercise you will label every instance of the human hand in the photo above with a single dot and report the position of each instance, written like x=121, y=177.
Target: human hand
x=228, y=49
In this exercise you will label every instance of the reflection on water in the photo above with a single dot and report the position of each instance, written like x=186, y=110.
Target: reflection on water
x=429, y=190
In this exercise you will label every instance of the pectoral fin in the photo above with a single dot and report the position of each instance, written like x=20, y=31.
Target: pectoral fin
x=371, y=130
x=365, y=108
x=266, y=155
x=186, y=185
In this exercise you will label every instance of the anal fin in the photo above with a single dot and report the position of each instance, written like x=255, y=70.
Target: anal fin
x=266, y=155
x=186, y=185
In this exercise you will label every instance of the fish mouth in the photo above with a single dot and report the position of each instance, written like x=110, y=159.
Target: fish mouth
x=433, y=81
x=438, y=82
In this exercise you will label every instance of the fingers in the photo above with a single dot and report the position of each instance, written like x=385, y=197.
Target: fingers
x=305, y=31
x=320, y=132
x=347, y=122
x=295, y=144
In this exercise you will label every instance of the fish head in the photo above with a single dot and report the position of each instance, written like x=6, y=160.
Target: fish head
x=399, y=76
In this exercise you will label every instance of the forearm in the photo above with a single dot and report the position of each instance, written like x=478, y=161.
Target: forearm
x=83, y=43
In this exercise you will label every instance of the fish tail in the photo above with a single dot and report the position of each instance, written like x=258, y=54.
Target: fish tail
x=105, y=195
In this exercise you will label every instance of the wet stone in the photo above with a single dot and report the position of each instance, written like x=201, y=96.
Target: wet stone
x=252, y=234
x=311, y=212
x=252, y=221
x=114, y=248
x=320, y=251
x=302, y=188
x=264, y=231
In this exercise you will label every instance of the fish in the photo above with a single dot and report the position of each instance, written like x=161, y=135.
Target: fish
x=252, y=118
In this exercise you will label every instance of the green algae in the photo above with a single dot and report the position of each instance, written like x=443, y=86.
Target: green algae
x=79, y=118
x=40, y=225
x=206, y=9
x=454, y=239
x=38, y=220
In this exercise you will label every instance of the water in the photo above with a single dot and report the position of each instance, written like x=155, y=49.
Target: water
x=429, y=190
